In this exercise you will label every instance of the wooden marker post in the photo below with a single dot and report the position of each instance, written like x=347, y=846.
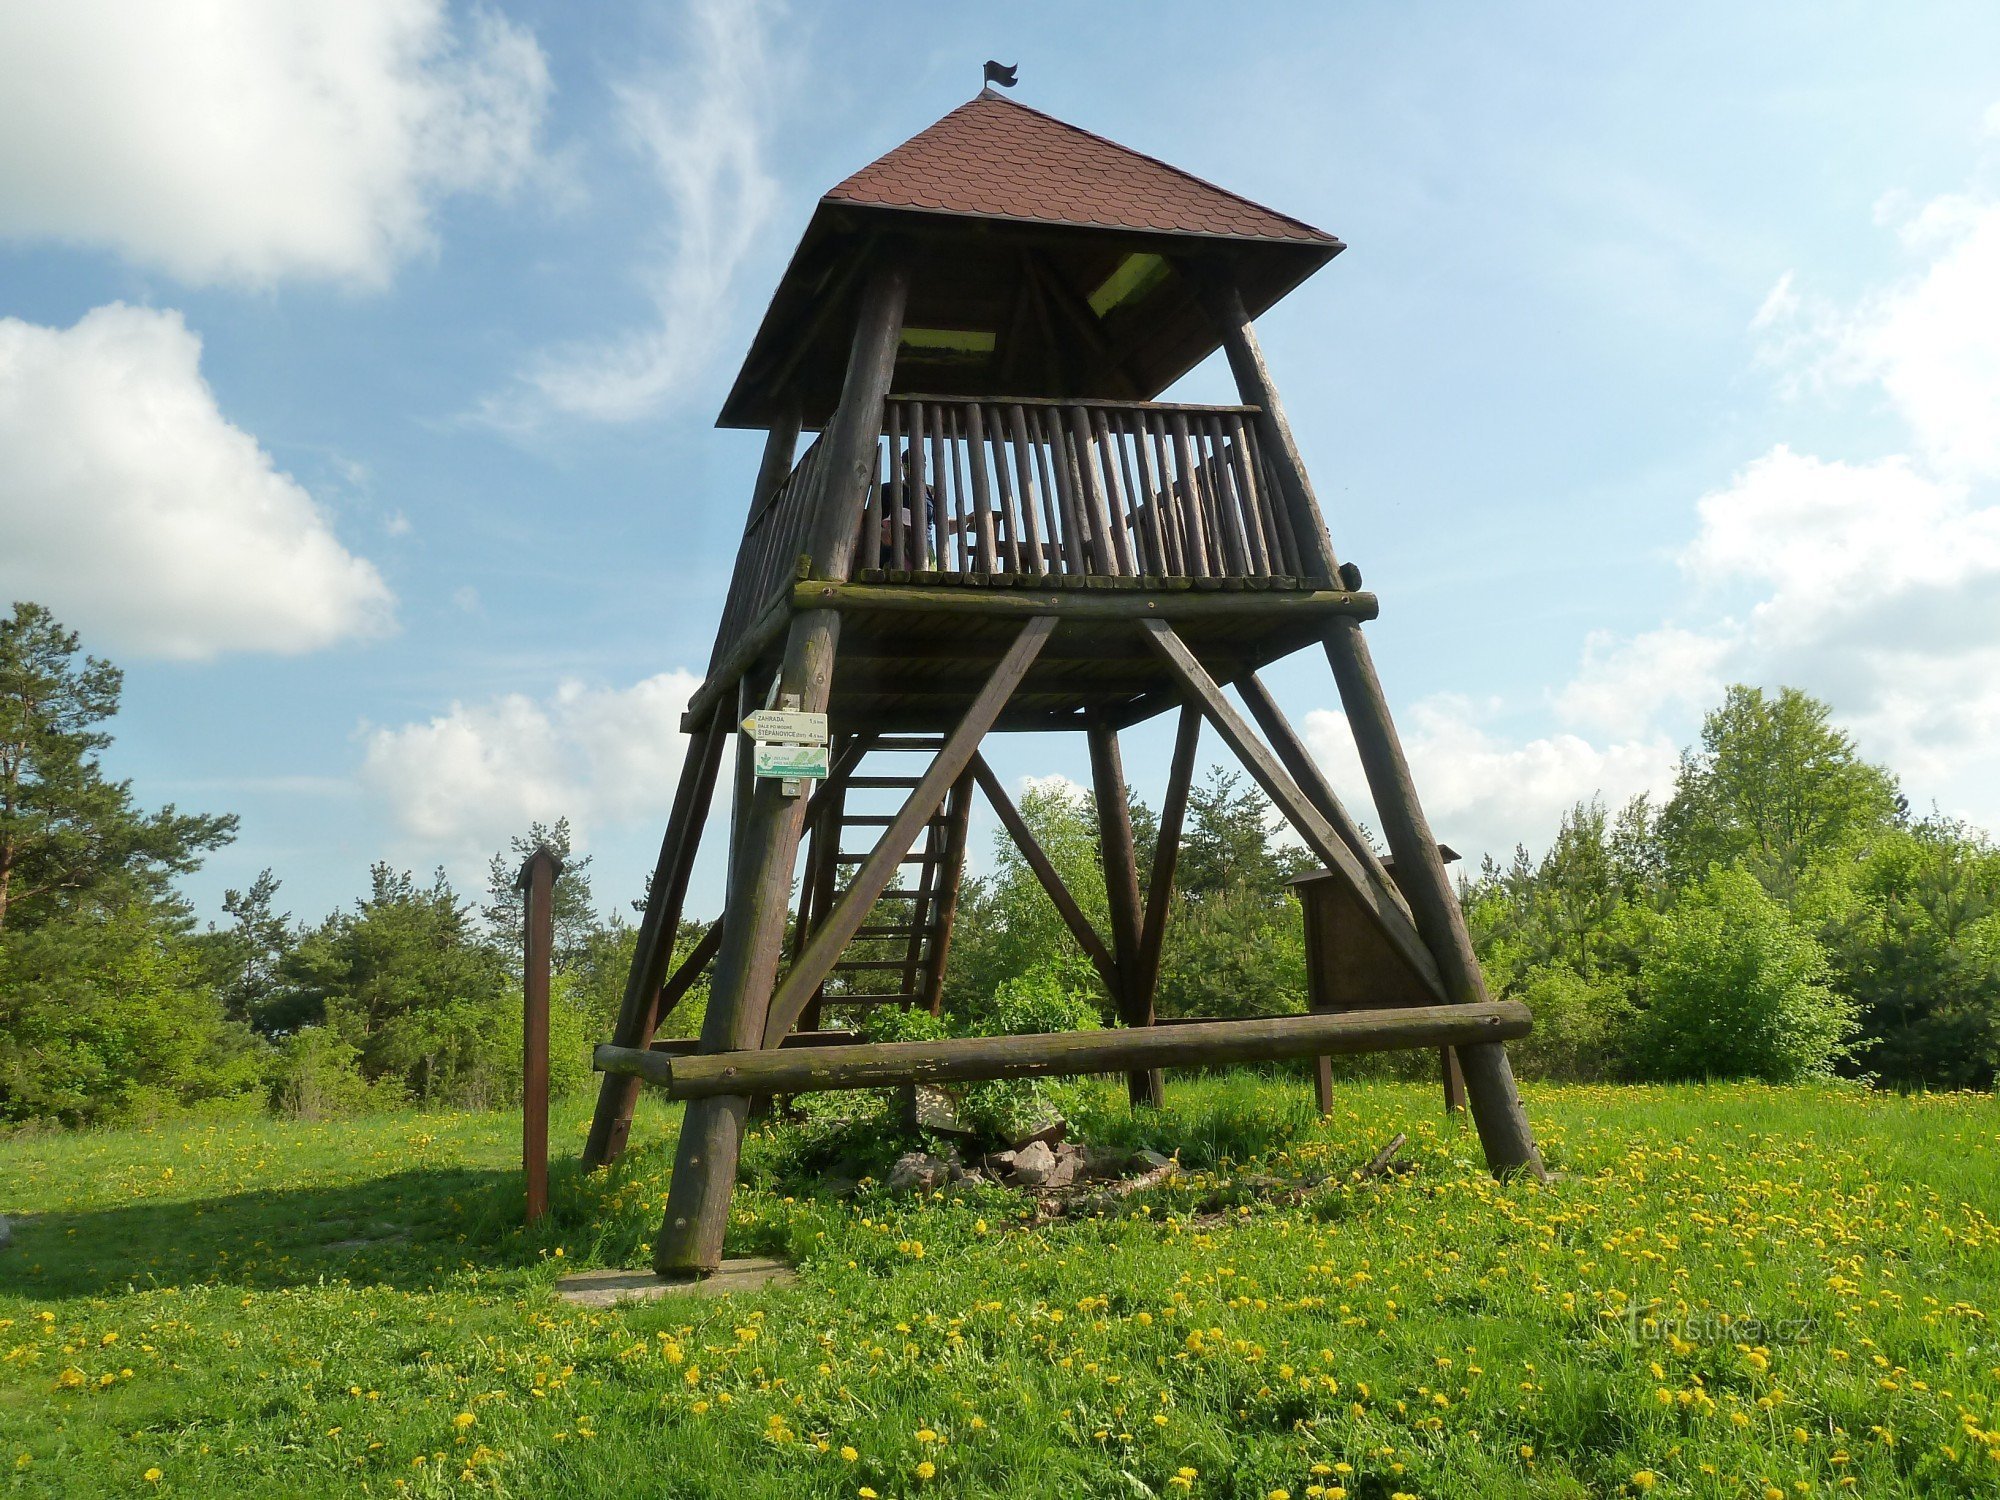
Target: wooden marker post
x=537, y=884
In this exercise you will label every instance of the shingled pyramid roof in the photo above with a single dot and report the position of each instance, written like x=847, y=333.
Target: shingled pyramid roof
x=997, y=159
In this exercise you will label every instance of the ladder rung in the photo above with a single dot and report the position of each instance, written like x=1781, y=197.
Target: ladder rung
x=879, y=782
x=868, y=999
x=894, y=932
x=891, y=742
x=907, y=859
x=907, y=894
x=876, y=963
x=881, y=820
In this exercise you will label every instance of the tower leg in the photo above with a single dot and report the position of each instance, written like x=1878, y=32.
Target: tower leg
x=1489, y=1081
x=746, y=967
x=1166, y=858
x=1121, y=886
x=639, y=1014
x=958, y=819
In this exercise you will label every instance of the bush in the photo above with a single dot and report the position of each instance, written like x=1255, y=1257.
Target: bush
x=1579, y=1025
x=315, y=1075
x=1733, y=990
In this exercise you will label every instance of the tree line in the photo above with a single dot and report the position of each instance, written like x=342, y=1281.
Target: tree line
x=1780, y=914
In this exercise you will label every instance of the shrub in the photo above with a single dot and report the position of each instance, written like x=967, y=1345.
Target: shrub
x=1579, y=1024
x=315, y=1075
x=1733, y=990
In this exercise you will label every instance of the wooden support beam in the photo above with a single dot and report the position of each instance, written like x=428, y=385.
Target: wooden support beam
x=801, y=1070
x=945, y=915
x=1274, y=433
x=1037, y=859
x=1292, y=803
x=873, y=877
x=1087, y=604
x=639, y=1011
x=1121, y=889
x=720, y=684
x=852, y=439
x=1166, y=855
x=1489, y=1079
x=687, y=1046
x=764, y=850
x=1298, y=760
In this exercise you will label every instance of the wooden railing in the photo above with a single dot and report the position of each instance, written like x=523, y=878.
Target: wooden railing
x=1022, y=490
x=1050, y=492
x=767, y=560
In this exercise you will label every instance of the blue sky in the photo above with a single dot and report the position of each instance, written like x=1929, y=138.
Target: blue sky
x=358, y=367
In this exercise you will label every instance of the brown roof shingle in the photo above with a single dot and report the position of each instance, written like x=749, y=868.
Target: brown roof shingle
x=999, y=159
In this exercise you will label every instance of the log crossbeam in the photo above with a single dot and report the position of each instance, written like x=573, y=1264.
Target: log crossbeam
x=800, y=1070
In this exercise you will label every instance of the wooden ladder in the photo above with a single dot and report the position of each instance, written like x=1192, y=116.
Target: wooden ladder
x=898, y=955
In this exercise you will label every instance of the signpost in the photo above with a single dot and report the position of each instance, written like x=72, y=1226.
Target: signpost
x=791, y=747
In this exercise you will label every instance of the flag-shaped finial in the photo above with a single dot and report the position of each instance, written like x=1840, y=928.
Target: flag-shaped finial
x=1003, y=74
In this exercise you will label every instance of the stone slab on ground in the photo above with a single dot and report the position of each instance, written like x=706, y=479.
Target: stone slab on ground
x=607, y=1288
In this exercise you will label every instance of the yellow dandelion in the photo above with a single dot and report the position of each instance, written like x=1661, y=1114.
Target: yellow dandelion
x=926, y=1470
x=152, y=1476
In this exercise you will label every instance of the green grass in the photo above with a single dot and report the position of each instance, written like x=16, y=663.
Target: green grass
x=308, y=1310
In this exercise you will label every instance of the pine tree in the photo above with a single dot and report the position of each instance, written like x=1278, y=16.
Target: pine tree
x=69, y=837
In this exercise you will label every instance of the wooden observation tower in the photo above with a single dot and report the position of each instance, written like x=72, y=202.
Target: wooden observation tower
x=998, y=528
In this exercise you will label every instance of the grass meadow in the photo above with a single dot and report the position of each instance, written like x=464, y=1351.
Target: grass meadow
x=1731, y=1291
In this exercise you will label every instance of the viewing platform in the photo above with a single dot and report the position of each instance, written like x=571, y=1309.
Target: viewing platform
x=992, y=510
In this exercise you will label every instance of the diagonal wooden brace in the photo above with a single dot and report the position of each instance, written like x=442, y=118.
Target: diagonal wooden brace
x=1298, y=810
x=873, y=877
x=1066, y=905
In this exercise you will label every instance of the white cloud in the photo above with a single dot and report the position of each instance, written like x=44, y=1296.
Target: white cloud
x=459, y=785
x=1482, y=793
x=1930, y=342
x=1063, y=786
x=132, y=508
x=1624, y=686
x=1880, y=592
x=246, y=140
x=701, y=126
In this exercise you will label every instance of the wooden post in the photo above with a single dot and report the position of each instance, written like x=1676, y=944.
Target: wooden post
x=1167, y=854
x=639, y=1013
x=853, y=438
x=1121, y=888
x=537, y=884
x=1495, y=1102
x=1489, y=1081
x=1454, y=1082
x=1274, y=432
x=1045, y=871
x=958, y=819
x=765, y=848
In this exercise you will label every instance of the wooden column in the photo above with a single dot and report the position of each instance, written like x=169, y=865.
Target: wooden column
x=853, y=438
x=1489, y=1081
x=1274, y=433
x=958, y=818
x=1121, y=888
x=537, y=884
x=758, y=903
x=639, y=1013
x=1420, y=872
x=1160, y=882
